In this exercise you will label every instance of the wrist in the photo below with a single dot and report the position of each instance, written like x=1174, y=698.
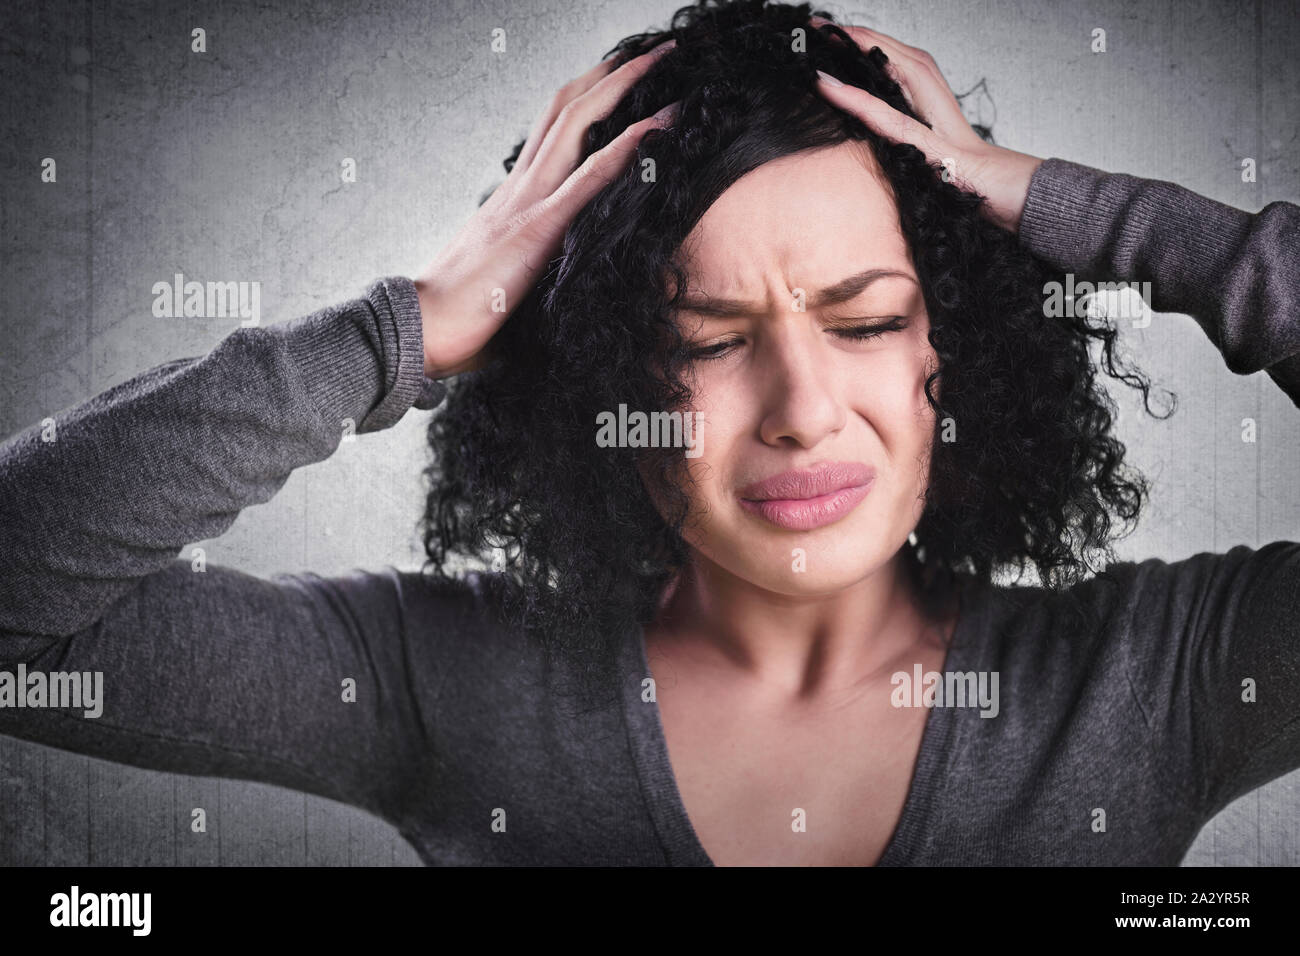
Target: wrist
x=447, y=349
x=428, y=309
x=1019, y=169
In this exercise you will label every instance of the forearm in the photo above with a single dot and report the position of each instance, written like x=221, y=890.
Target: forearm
x=123, y=481
x=1236, y=273
x=294, y=680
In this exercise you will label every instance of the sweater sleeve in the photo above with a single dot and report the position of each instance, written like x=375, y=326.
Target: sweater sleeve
x=295, y=680
x=1236, y=273
x=1212, y=654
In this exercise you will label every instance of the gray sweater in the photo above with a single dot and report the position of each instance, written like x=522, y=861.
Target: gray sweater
x=1137, y=712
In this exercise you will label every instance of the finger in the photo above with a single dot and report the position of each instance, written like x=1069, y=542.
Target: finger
x=922, y=82
x=561, y=148
x=882, y=118
x=565, y=95
x=897, y=60
x=554, y=214
x=866, y=38
x=895, y=53
x=903, y=60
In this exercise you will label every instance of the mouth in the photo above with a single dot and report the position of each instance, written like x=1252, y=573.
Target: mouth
x=803, y=499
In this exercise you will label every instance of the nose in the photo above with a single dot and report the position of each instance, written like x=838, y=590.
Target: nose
x=800, y=402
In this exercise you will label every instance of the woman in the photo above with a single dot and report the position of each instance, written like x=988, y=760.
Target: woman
x=773, y=638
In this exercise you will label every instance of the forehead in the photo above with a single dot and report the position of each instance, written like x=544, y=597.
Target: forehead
x=811, y=217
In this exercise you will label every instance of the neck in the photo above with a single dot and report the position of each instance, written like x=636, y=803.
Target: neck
x=799, y=646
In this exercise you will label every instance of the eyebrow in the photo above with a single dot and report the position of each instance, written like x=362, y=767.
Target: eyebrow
x=841, y=291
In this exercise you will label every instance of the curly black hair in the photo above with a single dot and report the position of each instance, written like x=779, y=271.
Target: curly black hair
x=1034, y=477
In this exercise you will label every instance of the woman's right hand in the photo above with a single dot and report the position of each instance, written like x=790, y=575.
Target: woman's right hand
x=519, y=229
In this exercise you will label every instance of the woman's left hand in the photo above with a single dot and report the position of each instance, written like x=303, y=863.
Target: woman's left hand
x=999, y=174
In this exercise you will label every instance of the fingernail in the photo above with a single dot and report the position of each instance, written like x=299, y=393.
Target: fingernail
x=667, y=114
x=829, y=79
x=663, y=48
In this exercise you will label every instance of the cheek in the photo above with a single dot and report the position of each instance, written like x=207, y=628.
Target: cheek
x=897, y=408
x=718, y=405
x=924, y=419
x=891, y=388
x=923, y=413
x=699, y=476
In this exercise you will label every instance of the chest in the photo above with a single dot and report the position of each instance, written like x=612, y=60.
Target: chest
x=764, y=786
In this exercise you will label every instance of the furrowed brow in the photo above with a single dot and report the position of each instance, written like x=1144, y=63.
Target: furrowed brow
x=842, y=291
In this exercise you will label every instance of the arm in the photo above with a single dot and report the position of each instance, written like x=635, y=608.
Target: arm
x=1236, y=273
x=214, y=672
x=173, y=455
x=1210, y=653
x=218, y=672
x=1215, y=669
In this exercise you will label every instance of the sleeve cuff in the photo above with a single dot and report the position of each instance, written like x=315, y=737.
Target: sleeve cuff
x=397, y=310
x=363, y=360
x=1061, y=215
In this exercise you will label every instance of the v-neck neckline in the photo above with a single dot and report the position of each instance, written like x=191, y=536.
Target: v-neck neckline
x=649, y=747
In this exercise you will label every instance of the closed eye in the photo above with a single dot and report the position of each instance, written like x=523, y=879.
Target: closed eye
x=856, y=333
x=716, y=350
x=895, y=324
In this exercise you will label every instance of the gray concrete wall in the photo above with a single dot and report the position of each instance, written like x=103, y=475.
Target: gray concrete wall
x=227, y=165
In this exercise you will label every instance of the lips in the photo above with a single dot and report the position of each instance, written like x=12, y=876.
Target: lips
x=806, y=498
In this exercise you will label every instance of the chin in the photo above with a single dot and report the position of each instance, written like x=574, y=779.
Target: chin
x=804, y=564
x=827, y=583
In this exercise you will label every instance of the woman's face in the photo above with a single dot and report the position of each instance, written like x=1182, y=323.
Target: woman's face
x=782, y=269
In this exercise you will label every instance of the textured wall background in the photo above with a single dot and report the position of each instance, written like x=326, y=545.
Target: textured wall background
x=226, y=165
